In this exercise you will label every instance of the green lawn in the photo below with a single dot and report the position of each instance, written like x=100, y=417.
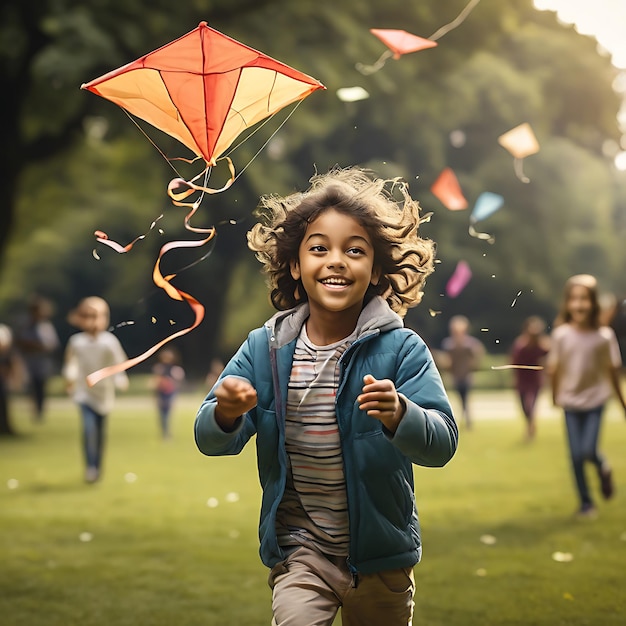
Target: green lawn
x=169, y=536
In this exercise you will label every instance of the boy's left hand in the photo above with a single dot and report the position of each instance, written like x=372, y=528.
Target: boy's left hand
x=381, y=401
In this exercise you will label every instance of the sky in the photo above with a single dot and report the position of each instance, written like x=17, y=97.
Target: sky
x=604, y=19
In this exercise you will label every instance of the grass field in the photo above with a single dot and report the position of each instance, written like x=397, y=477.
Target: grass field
x=168, y=537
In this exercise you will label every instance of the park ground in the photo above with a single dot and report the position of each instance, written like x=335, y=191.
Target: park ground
x=169, y=537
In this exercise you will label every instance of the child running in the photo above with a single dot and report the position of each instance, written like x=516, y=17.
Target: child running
x=584, y=364
x=342, y=400
x=168, y=378
x=529, y=350
x=464, y=354
x=88, y=351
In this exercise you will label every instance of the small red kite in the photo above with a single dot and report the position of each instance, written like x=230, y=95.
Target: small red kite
x=399, y=42
x=447, y=189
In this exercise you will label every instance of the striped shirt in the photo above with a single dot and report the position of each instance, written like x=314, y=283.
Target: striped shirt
x=314, y=507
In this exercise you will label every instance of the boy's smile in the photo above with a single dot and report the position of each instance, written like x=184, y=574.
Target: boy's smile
x=335, y=264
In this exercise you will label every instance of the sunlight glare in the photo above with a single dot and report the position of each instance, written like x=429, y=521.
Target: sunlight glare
x=603, y=19
x=620, y=161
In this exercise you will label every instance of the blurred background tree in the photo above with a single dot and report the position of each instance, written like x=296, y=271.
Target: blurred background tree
x=73, y=163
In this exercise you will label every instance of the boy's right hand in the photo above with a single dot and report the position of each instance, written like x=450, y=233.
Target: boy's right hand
x=235, y=396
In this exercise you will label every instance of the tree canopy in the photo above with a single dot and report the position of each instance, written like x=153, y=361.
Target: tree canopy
x=74, y=163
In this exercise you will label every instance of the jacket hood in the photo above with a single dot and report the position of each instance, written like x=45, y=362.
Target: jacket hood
x=375, y=317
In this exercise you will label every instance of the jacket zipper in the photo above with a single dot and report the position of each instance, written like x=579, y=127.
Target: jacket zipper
x=345, y=361
x=280, y=422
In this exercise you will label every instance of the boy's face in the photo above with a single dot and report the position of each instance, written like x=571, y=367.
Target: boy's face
x=335, y=263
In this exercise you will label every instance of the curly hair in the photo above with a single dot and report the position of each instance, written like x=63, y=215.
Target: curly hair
x=392, y=223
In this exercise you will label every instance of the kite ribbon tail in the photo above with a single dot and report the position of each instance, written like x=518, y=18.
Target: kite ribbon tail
x=102, y=237
x=366, y=70
x=190, y=187
x=173, y=292
x=478, y=235
x=197, y=308
x=518, y=166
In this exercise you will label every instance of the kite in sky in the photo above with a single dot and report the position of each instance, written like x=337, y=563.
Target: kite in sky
x=520, y=142
x=204, y=89
x=398, y=42
x=401, y=42
x=486, y=204
x=446, y=188
x=459, y=279
x=352, y=94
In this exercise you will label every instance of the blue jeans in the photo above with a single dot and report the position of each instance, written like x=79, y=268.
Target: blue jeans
x=164, y=404
x=93, y=435
x=583, y=430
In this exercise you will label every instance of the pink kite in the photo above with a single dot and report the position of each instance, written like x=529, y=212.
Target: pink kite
x=398, y=42
x=459, y=279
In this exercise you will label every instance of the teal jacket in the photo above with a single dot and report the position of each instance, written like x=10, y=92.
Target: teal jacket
x=384, y=528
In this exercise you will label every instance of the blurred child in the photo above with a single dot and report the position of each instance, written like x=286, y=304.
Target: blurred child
x=342, y=399
x=8, y=373
x=464, y=354
x=529, y=350
x=216, y=367
x=37, y=341
x=584, y=364
x=86, y=352
x=168, y=377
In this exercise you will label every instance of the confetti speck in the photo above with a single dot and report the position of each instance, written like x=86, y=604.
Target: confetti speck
x=13, y=483
x=130, y=477
x=212, y=503
x=232, y=497
x=519, y=293
x=85, y=537
x=562, y=557
x=488, y=540
x=481, y=571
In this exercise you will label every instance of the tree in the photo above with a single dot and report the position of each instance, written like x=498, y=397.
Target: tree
x=505, y=64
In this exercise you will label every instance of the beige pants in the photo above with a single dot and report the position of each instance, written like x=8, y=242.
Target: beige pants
x=309, y=588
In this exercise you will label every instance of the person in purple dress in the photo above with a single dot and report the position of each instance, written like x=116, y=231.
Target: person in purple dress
x=528, y=351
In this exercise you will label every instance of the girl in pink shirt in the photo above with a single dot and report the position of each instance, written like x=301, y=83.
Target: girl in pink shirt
x=584, y=364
